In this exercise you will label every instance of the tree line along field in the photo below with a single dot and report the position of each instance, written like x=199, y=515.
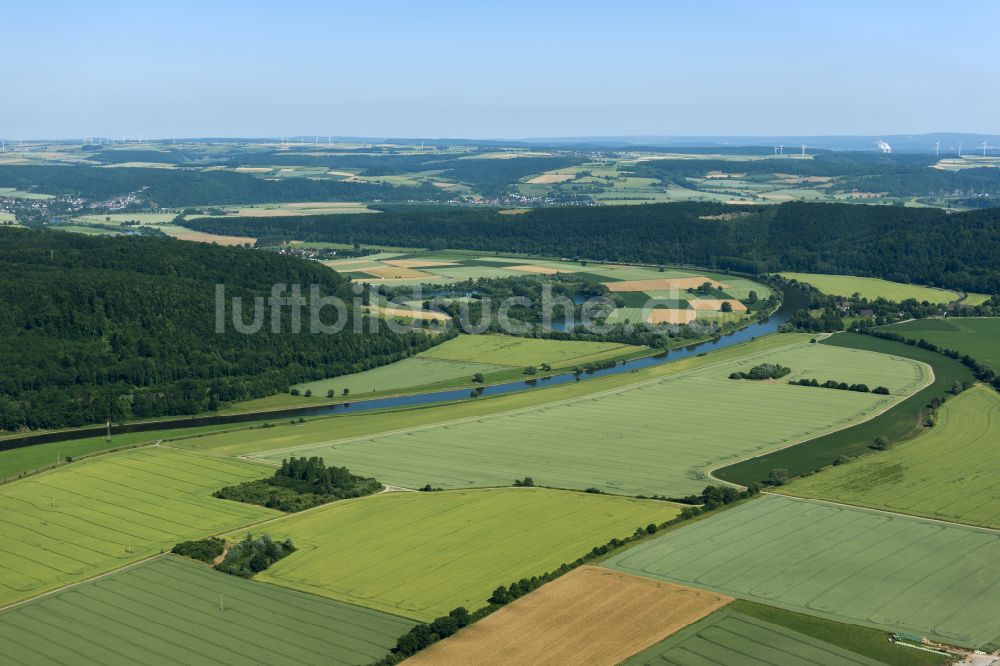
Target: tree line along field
x=852, y=565
x=979, y=337
x=588, y=616
x=456, y=361
x=287, y=436
x=172, y=610
x=658, y=437
x=872, y=288
x=421, y=554
x=98, y=514
x=947, y=472
x=905, y=420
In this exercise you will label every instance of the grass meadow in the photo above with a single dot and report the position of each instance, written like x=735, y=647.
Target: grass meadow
x=979, y=337
x=872, y=288
x=522, y=352
x=98, y=514
x=171, y=610
x=852, y=565
x=948, y=472
x=657, y=437
x=421, y=554
x=455, y=362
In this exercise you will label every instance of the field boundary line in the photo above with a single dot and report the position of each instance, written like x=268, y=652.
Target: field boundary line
x=710, y=472
x=846, y=505
x=78, y=583
x=512, y=412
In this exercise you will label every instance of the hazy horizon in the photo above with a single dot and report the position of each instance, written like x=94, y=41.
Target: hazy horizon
x=448, y=70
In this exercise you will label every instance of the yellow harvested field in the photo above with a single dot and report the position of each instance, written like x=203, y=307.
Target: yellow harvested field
x=716, y=304
x=253, y=169
x=671, y=316
x=513, y=211
x=589, y=616
x=200, y=237
x=663, y=284
x=410, y=314
x=549, y=178
x=528, y=268
x=418, y=263
x=397, y=273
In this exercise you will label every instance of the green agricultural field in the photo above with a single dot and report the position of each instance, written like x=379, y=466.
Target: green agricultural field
x=853, y=565
x=98, y=514
x=171, y=610
x=37, y=457
x=401, y=375
x=901, y=422
x=660, y=436
x=522, y=352
x=453, y=363
x=948, y=472
x=979, y=337
x=872, y=288
x=422, y=554
x=718, y=638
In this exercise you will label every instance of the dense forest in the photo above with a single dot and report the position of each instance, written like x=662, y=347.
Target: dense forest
x=926, y=246
x=178, y=188
x=124, y=327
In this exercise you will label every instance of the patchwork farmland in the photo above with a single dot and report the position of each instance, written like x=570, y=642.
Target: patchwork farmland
x=170, y=610
x=421, y=554
x=71, y=523
x=657, y=437
x=852, y=565
x=588, y=616
x=946, y=472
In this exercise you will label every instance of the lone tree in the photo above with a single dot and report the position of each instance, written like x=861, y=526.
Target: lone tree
x=778, y=476
x=331, y=393
x=727, y=306
x=478, y=378
x=881, y=443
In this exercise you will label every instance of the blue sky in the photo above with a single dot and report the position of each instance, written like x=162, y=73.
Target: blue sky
x=507, y=70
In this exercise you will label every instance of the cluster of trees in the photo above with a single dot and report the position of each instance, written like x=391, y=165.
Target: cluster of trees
x=762, y=371
x=301, y=483
x=251, y=556
x=841, y=386
x=712, y=497
x=827, y=321
x=95, y=328
x=925, y=246
x=205, y=550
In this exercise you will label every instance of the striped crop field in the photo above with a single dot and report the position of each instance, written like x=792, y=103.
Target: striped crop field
x=852, y=565
x=176, y=611
x=422, y=554
x=98, y=514
x=947, y=472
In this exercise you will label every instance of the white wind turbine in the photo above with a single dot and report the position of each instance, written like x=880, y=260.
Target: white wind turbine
x=803, y=149
x=985, y=146
x=937, y=148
